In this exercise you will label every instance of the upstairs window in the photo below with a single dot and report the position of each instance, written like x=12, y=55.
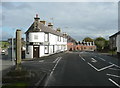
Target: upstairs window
x=57, y=38
x=35, y=37
x=46, y=37
x=27, y=37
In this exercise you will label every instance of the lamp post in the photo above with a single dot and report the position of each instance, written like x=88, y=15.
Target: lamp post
x=112, y=47
x=12, y=49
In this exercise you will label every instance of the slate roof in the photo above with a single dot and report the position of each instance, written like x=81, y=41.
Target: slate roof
x=115, y=34
x=43, y=28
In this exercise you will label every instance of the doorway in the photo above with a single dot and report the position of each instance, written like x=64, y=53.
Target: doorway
x=35, y=51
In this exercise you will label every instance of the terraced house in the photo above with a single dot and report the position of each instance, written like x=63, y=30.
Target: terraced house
x=43, y=40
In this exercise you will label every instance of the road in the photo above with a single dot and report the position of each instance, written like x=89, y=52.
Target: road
x=85, y=69
x=78, y=69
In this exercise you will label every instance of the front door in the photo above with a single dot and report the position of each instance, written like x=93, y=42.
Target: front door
x=35, y=51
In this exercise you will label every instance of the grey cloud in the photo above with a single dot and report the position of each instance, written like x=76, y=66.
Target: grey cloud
x=12, y=6
x=82, y=19
x=6, y=35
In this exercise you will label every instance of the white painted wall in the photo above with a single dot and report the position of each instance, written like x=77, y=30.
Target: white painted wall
x=59, y=45
x=41, y=51
x=118, y=43
x=50, y=49
x=30, y=50
x=52, y=39
x=40, y=36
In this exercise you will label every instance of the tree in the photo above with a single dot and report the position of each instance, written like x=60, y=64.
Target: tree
x=88, y=39
x=107, y=44
x=101, y=43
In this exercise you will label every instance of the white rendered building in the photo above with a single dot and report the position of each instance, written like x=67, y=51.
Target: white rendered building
x=42, y=40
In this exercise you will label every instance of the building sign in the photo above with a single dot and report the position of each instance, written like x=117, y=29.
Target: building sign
x=37, y=43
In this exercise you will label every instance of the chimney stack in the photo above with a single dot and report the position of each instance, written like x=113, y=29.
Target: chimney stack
x=50, y=25
x=58, y=30
x=36, y=22
x=43, y=22
x=37, y=17
x=65, y=34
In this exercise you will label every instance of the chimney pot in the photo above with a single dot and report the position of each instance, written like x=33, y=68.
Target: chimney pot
x=36, y=15
x=36, y=18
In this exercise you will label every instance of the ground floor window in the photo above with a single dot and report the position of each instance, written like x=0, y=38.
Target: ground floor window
x=46, y=49
x=27, y=49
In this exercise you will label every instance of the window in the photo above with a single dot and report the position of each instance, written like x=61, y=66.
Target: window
x=27, y=37
x=46, y=49
x=60, y=38
x=27, y=49
x=35, y=36
x=57, y=38
x=46, y=37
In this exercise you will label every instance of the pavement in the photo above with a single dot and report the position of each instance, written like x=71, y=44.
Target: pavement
x=77, y=69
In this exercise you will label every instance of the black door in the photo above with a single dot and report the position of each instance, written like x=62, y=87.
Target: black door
x=35, y=52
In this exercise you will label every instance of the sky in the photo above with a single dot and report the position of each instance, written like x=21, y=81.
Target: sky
x=78, y=19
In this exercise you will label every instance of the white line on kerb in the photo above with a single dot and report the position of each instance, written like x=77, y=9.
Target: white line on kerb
x=114, y=82
x=113, y=75
x=81, y=57
x=41, y=61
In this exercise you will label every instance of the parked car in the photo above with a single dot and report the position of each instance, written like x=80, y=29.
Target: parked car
x=3, y=52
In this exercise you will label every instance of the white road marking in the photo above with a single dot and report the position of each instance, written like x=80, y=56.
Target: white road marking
x=93, y=66
x=113, y=75
x=56, y=60
x=55, y=65
x=81, y=57
x=93, y=60
x=52, y=71
x=106, y=67
x=41, y=61
x=117, y=66
x=113, y=69
x=102, y=59
x=114, y=65
x=110, y=63
x=101, y=68
x=114, y=82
